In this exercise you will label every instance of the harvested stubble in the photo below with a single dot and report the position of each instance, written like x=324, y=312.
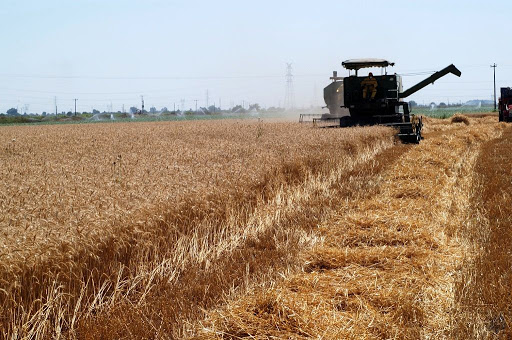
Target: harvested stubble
x=103, y=225
x=483, y=286
x=385, y=264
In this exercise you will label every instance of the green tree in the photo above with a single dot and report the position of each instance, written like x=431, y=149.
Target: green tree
x=238, y=109
x=213, y=109
x=255, y=107
x=13, y=112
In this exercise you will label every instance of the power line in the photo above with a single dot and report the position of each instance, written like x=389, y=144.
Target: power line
x=150, y=77
x=93, y=93
x=410, y=74
x=213, y=77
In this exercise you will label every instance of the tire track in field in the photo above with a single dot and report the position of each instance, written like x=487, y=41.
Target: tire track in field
x=385, y=266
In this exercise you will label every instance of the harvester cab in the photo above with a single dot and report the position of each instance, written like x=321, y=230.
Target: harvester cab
x=505, y=105
x=376, y=99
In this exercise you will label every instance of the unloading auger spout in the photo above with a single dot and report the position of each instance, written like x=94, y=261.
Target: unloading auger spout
x=430, y=80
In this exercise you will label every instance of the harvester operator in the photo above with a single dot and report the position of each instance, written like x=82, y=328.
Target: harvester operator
x=369, y=85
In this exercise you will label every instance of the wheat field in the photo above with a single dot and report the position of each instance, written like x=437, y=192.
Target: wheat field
x=109, y=218
x=250, y=229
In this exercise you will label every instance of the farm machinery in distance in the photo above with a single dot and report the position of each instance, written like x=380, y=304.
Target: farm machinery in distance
x=372, y=100
x=505, y=105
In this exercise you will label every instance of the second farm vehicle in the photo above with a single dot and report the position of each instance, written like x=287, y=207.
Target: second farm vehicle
x=505, y=105
x=377, y=99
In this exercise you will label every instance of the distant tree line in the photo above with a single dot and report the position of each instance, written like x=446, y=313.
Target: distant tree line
x=212, y=109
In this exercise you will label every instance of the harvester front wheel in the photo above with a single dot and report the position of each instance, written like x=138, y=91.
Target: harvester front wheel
x=418, y=137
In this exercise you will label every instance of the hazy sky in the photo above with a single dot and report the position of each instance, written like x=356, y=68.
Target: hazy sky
x=113, y=51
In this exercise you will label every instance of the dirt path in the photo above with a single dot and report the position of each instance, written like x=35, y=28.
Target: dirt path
x=384, y=266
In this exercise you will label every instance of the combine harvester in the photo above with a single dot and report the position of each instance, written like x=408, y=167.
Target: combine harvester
x=372, y=100
x=505, y=105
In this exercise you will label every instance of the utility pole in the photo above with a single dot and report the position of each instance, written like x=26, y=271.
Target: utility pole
x=142, y=100
x=196, y=104
x=75, y=104
x=174, y=108
x=55, y=101
x=494, y=69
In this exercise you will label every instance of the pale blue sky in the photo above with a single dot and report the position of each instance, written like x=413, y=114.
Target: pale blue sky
x=114, y=51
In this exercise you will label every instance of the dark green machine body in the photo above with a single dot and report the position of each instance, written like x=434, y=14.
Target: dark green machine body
x=386, y=107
